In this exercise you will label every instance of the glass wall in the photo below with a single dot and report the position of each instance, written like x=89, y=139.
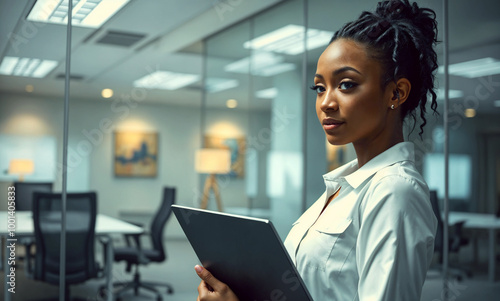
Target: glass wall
x=268, y=89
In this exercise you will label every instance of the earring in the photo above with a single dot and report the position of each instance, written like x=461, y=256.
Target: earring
x=392, y=107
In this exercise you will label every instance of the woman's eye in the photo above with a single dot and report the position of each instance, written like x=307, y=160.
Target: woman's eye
x=347, y=85
x=317, y=88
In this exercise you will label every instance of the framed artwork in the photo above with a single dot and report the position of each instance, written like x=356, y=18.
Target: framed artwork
x=237, y=148
x=135, y=154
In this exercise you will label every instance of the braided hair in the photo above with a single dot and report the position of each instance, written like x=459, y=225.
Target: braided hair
x=401, y=36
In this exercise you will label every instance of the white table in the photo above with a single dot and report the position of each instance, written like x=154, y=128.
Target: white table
x=105, y=226
x=480, y=221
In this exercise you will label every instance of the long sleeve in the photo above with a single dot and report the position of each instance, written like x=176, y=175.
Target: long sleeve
x=396, y=239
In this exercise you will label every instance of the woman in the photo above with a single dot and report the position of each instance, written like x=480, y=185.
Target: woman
x=370, y=236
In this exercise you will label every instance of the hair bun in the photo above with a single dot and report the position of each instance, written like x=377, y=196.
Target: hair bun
x=401, y=11
x=396, y=9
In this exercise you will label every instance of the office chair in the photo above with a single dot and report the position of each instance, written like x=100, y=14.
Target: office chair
x=24, y=200
x=81, y=211
x=135, y=255
x=24, y=193
x=455, y=239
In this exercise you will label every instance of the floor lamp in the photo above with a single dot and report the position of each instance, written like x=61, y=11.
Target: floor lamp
x=21, y=167
x=212, y=161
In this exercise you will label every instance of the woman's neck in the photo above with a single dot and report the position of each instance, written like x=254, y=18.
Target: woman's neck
x=369, y=149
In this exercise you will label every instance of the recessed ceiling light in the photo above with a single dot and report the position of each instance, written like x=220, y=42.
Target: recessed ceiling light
x=475, y=68
x=231, y=103
x=267, y=93
x=28, y=67
x=220, y=84
x=166, y=80
x=469, y=113
x=86, y=13
x=290, y=40
x=262, y=64
x=29, y=88
x=107, y=93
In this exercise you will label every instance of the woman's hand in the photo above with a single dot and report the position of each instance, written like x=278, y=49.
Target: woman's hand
x=212, y=289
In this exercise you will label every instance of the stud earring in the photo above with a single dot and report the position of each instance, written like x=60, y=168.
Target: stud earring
x=392, y=107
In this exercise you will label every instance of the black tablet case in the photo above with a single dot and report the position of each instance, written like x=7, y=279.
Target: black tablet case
x=243, y=252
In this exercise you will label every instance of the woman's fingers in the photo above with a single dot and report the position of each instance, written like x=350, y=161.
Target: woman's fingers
x=211, y=289
x=212, y=283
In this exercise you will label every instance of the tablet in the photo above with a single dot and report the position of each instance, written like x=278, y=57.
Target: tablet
x=245, y=253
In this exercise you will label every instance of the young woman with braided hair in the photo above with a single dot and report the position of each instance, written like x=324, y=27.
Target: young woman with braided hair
x=370, y=236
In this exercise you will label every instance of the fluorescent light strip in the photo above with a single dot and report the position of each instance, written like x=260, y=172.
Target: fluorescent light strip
x=451, y=94
x=263, y=64
x=267, y=93
x=289, y=40
x=475, y=68
x=86, y=13
x=276, y=69
x=220, y=84
x=166, y=80
x=27, y=67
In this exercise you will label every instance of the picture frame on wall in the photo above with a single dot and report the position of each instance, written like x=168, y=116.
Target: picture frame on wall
x=237, y=147
x=135, y=154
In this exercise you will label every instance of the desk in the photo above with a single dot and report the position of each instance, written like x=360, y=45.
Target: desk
x=480, y=221
x=105, y=226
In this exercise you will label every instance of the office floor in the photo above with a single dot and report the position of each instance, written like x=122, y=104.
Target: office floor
x=178, y=271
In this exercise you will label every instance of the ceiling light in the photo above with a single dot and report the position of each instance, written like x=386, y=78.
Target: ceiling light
x=231, y=103
x=267, y=93
x=86, y=13
x=469, y=113
x=496, y=103
x=166, y=80
x=290, y=40
x=262, y=64
x=451, y=94
x=29, y=88
x=220, y=84
x=107, y=93
x=475, y=68
x=28, y=67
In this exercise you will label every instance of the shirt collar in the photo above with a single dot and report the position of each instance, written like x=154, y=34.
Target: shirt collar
x=403, y=151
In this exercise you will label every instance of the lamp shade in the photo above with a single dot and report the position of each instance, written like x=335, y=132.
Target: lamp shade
x=21, y=166
x=213, y=161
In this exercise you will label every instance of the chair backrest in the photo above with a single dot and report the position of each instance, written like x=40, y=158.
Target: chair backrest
x=438, y=240
x=81, y=211
x=160, y=219
x=24, y=193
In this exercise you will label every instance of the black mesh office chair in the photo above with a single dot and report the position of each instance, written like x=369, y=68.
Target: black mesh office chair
x=455, y=239
x=135, y=255
x=24, y=200
x=81, y=211
x=24, y=193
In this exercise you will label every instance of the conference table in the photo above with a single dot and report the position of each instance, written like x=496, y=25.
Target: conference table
x=105, y=227
x=488, y=222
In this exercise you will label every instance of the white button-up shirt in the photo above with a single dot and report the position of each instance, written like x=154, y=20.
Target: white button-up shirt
x=375, y=240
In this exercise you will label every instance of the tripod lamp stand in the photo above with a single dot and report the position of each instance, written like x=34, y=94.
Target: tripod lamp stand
x=212, y=161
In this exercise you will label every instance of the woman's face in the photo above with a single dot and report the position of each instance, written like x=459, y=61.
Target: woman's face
x=351, y=104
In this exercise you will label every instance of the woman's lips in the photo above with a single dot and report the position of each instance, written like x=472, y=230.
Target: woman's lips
x=330, y=124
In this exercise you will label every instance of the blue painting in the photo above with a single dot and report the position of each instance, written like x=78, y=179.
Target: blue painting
x=136, y=154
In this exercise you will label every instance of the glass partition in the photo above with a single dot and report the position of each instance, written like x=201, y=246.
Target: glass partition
x=474, y=130
x=263, y=75
x=31, y=107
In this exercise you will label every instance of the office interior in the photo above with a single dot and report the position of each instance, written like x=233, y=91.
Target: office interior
x=233, y=75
